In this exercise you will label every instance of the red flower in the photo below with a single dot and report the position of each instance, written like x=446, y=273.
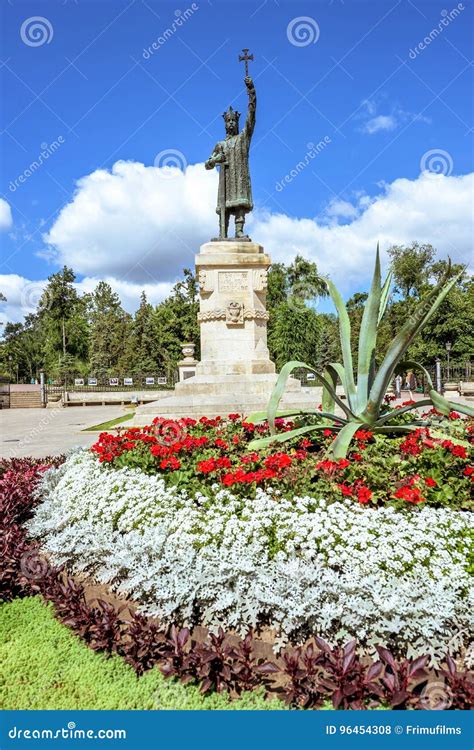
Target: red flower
x=206, y=467
x=250, y=458
x=448, y=444
x=410, y=494
x=459, y=451
x=430, y=482
x=364, y=494
x=362, y=436
x=345, y=489
x=233, y=417
x=330, y=467
x=277, y=461
x=170, y=463
x=221, y=444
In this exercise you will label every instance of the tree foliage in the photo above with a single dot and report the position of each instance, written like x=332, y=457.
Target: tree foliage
x=92, y=334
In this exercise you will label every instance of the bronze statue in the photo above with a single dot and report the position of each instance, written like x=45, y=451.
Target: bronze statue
x=232, y=155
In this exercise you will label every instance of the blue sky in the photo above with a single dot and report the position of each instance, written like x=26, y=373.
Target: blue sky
x=351, y=79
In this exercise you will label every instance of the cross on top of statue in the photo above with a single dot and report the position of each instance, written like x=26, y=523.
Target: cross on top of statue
x=245, y=58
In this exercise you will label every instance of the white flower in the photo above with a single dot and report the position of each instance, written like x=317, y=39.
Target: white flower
x=340, y=570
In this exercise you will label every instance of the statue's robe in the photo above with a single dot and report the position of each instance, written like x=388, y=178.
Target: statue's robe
x=235, y=190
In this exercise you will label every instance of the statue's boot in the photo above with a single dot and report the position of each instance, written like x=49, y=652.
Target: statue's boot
x=239, y=228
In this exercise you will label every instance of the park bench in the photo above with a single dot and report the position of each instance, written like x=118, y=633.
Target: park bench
x=466, y=389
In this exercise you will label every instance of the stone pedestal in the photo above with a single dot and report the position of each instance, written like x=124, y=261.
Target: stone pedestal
x=232, y=311
x=235, y=373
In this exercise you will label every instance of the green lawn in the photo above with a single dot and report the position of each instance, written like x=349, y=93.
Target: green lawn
x=104, y=426
x=43, y=665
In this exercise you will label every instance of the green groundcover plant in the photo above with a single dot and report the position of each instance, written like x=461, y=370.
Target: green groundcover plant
x=43, y=665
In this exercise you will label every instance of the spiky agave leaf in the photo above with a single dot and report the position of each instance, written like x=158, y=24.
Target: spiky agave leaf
x=261, y=416
x=340, y=446
x=327, y=401
x=279, y=388
x=284, y=437
x=345, y=337
x=368, y=337
x=402, y=341
x=384, y=297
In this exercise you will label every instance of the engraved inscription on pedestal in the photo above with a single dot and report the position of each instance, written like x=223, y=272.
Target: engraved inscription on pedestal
x=233, y=281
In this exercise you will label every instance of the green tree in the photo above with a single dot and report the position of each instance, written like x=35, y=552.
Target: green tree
x=110, y=328
x=295, y=334
x=295, y=329
x=142, y=346
x=62, y=317
x=411, y=267
x=175, y=322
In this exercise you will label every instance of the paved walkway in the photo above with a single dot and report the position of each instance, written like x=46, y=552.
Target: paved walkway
x=43, y=432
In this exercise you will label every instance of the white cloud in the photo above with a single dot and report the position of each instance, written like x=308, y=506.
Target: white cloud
x=376, y=123
x=136, y=223
x=23, y=294
x=433, y=208
x=128, y=292
x=338, y=209
x=127, y=227
x=6, y=220
x=381, y=122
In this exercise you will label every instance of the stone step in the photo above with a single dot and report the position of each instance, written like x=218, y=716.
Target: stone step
x=25, y=400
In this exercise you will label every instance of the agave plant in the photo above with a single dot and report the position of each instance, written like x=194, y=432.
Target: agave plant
x=364, y=396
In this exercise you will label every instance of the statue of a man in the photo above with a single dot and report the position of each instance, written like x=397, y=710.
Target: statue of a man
x=232, y=156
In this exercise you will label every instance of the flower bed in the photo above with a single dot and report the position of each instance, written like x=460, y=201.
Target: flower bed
x=307, y=676
x=299, y=564
x=420, y=468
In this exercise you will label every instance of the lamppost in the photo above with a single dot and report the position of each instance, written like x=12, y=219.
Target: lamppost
x=448, y=349
x=439, y=384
